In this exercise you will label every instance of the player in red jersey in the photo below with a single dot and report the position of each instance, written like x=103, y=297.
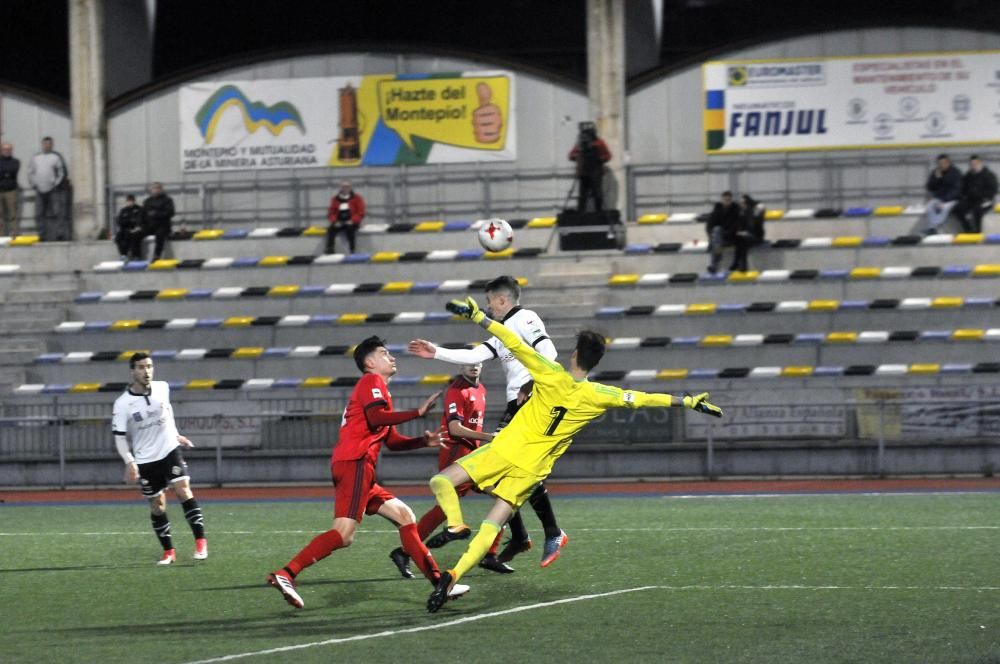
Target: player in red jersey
x=368, y=422
x=464, y=411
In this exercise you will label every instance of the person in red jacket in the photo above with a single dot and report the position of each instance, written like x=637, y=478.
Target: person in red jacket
x=590, y=154
x=369, y=420
x=347, y=211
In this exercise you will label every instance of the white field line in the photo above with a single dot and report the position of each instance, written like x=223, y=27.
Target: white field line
x=693, y=529
x=542, y=605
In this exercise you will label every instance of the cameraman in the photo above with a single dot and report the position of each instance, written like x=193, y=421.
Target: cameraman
x=590, y=154
x=347, y=211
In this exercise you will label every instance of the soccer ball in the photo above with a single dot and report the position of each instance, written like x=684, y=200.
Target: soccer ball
x=495, y=234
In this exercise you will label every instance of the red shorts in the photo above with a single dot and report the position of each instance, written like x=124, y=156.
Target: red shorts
x=446, y=457
x=357, y=493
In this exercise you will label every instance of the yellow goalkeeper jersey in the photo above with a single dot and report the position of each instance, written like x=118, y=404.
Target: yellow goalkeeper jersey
x=559, y=407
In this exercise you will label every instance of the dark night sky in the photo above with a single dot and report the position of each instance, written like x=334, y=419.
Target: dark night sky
x=548, y=36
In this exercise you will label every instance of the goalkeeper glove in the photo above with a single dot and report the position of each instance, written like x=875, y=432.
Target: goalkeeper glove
x=466, y=308
x=699, y=403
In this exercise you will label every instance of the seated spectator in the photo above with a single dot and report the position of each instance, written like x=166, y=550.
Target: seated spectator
x=944, y=185
x=749, y=231
x=979, y=188
x=159, y=211
x=131, y=230
x=721, y=227
x=346, y=212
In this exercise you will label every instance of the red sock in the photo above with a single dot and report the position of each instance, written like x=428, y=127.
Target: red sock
x=496, y=543
x=322, y=545
x=415, y=549
x=429, y=522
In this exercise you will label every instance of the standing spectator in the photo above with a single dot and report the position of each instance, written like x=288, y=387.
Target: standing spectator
x=749, y=232
x=9, y=168
x=944, y=185
x=979, y=188
x=48, y=176
x=347, y=211
x=590, y=154
x=131, y=230
x=721, y=227
x=159, y=210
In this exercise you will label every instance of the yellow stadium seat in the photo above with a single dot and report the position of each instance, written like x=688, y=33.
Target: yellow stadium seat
x=847, y=241
x=273, y=261
x=24, y=240
x=126, y=355
x=247, y=352
x=889, y=210
x=701, y=308
x=313, y=231
x=841, y=337
x=672, y=374
x=925, y=368
x=657, y=218
x=317, y=381
x=164, y=264
x=986, y=270
x=824, y=305
x=85, y=387
x=171, y=293
x=499, y=255
x=208, y=234
x=284, y=290
x=717, y=340
x=397, y=287
x=352, y=319
x=743, y=277
x=946, y=302
x=969, y=238
x=238, y=321
x=967, y=334
x=796, y=371
x=623, y=280
x=385, y=257
x=429, y=227
x=435, y=379
x=772, y=215
x=200, y=384
x=542, y=222
x=866, y=273
x=522, y=281
x=123, y=325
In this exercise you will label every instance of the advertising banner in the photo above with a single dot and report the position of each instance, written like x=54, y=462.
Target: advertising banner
x=884, y=101
x=374, y=120
x=930, y=413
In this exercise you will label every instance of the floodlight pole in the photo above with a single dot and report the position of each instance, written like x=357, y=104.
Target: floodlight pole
x=606, y=85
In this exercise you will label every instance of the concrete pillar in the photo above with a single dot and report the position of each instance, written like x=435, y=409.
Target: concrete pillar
x=88, y=164
x=606, y=83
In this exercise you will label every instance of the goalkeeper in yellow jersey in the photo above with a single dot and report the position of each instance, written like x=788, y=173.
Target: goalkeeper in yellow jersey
x=523, y=453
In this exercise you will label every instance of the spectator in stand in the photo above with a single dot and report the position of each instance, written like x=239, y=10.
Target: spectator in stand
x=158, y=208
x=590, y=154
x=944, y=185
x=9, y=168
x=721, y=227
x=47, y=174
x=979, y=188
x=749, y=232
x=347, y=211
x=131, y=230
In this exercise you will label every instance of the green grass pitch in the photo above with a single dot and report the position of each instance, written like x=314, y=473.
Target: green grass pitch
x=817, y=578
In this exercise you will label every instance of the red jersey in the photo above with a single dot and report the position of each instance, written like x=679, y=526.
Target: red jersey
x=465, y=403
x=357, y=439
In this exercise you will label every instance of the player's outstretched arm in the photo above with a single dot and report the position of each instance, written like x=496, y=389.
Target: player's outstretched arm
x=637, y=399
x=532, y=360
x=428, y=350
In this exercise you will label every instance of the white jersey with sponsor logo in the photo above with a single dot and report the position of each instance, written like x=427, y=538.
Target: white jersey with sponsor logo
x=147, y=420
x=529, y=327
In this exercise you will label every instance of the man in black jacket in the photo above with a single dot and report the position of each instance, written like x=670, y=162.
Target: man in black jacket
x=159, y=210
x=131, y=230
x=944, y=185
x=721, y=227
x=979, y=188
x=9, y=167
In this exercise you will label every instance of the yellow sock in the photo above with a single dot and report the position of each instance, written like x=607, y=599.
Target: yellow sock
x=478, y=547
x=447, y=498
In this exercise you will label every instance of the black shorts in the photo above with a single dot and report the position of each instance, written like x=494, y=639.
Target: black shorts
x=156, y=475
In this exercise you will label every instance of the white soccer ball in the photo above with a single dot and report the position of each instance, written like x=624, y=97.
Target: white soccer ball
x=495, y=234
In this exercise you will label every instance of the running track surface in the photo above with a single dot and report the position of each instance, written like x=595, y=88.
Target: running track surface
x=560, y=488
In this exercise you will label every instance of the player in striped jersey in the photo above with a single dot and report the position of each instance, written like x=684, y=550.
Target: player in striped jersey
x=522, y=455
x=144, y=418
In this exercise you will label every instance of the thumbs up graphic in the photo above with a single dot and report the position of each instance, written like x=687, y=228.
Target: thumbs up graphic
x=487, y=121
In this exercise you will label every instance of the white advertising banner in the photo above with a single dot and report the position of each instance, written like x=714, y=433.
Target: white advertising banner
x=371, y=120
x=884, y=101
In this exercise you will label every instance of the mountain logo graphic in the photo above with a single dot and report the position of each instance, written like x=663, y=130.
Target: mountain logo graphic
x=255, y=114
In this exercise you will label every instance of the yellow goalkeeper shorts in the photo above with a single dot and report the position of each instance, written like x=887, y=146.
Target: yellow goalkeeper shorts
x=488, y=469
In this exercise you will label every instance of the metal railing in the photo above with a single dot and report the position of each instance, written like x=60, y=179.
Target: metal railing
x=62, y=434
